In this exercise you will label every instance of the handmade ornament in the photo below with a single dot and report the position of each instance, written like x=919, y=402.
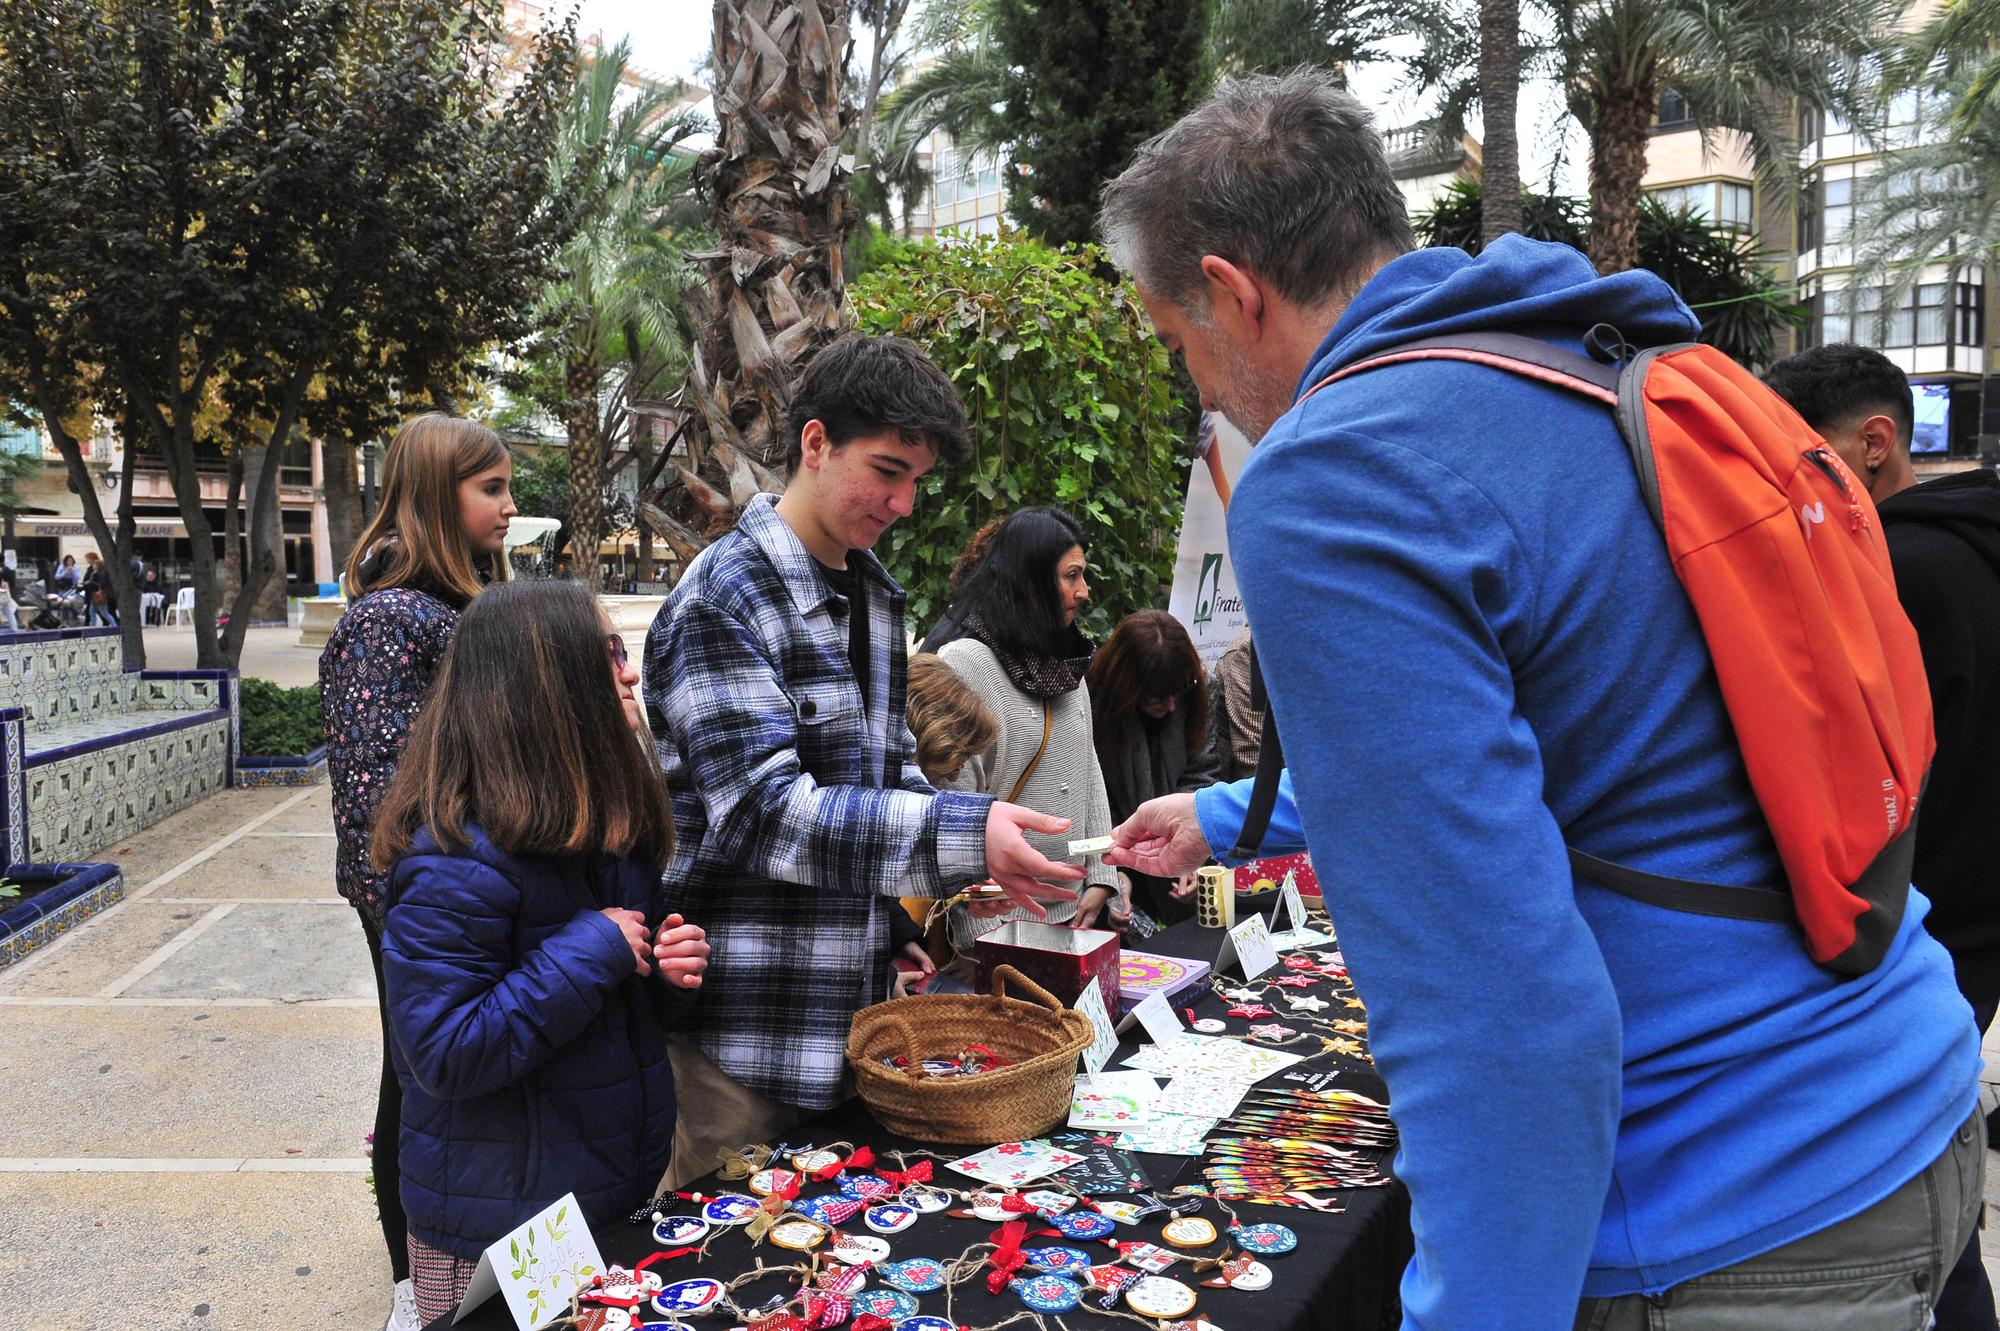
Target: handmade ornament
x=688, y=1296
x=859, y=1249
x=1265, y=1240
x=891, y=1304
x=731, y=1208
x=622, y=1285
x=1210, y=1025
x=1082, y=1225
x=1157, y=1296
x=1298, y=979
x=1272, y=1033
x=892, y=1219
x=925, y=1201
x=1108, y=1282
x=926, y=1323
x=1057, y=1258
x=767, y=1182
x=1248, y=1011
x=1125, y=1213
x=866, y=1187
x=1299, y=961
x=798, y=1235
x=1145, y=1257
x=1189, y=1232
x=1048, y=1202
x=837, y=1279
x=1306, y=1004
x=825, y=1310
x=1243, y=1272
x=671, y=1231
x=1048, y=1294
x=812, y=1162
x=914, y=1275
x=829, y=1211
x=1239, y=995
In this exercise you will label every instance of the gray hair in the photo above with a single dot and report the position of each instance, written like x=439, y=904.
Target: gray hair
x=1283, y=175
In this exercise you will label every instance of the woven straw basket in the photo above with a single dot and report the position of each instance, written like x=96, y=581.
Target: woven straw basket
x=1039, y=1040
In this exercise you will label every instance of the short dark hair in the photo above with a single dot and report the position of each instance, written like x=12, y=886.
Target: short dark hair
x=1283, y=175
x=859, y=385
x=1832, y=385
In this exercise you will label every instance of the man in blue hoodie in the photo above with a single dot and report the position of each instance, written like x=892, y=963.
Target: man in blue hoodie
x=1613, y=1115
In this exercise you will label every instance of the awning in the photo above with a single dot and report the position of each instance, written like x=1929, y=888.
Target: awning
x=145, y=528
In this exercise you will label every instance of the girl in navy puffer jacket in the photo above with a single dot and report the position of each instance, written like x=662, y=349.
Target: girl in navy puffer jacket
x=524, y=837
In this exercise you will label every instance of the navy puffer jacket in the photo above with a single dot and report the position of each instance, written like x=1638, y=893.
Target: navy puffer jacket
x=533, y=1056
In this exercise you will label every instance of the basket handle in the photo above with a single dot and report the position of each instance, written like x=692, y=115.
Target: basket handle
x=1005, y=975
x=913, y=1064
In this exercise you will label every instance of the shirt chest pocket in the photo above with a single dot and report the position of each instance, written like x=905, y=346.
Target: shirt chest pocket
x=828, y=713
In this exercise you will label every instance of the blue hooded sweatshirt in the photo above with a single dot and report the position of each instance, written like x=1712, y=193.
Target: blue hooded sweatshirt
x=1477, y=649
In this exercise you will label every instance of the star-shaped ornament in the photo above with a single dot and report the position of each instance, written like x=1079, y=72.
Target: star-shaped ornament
x=1306, y=1004
x=1357, y=1005
x=1242, y=995
x=1300, y=981
x=1272, y=1032
x=1250, y=1011
x=1350, y=1026
x=1299, y=961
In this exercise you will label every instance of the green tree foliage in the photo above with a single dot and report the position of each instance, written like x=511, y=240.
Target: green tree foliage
x=260, y=218
x=1070, y=402
x=1087, y=83
x=1743, y=308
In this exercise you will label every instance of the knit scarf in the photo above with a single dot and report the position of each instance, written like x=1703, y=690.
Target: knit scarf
x=1038, y=676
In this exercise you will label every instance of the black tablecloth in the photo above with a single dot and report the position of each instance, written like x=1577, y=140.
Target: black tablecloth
x=1344, y=1274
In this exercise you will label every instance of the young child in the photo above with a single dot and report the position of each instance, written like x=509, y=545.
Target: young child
x=524, y=836
x=950, y=724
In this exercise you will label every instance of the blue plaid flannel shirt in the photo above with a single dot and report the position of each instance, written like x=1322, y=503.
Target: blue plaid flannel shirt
x=800, y=815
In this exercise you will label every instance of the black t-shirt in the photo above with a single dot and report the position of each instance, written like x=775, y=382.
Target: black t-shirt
x=849, y=583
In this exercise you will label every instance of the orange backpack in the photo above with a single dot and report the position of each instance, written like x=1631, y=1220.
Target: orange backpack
x=1779, y=551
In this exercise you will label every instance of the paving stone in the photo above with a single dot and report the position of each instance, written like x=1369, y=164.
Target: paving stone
x=296, y=867
x=150, y=853
x=100, y=950
x=287, y=952
x=190, y=1083
x=312, y=816
x=196, y=1252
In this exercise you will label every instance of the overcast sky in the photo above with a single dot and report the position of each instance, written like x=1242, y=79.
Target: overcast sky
x=670, y=36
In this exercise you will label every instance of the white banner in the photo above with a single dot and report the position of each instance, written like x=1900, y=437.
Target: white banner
x=1204, y=597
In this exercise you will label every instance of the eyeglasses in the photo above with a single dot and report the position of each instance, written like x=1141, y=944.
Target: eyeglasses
x=617, y=646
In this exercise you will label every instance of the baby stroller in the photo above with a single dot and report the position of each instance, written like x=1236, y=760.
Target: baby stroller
x=35, y=610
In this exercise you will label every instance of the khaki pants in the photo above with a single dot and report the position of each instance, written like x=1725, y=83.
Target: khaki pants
x=715, y=1112
x=1877, y=1271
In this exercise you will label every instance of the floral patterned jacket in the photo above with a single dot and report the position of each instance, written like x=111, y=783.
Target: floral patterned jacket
x=377, y=665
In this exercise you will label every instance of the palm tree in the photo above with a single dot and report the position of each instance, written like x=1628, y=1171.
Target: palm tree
x=1741, y=65
x=774, y=291
x=1961, y=43
x=612, y=319
x=1499, y=99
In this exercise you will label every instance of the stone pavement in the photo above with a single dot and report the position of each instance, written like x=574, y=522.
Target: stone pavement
x=191, y=1077
x=268, y=653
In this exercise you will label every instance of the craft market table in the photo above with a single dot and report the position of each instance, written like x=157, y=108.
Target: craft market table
x=1343, y=1273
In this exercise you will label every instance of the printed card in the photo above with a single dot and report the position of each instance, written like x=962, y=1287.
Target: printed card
x=1192, y=1093
x=1169, y=1134
x=1248, y=946
x=1016, y=1164
x=537, y=1266
x=1104, y=1038
x=1113, y=1100
x=1105, y=1170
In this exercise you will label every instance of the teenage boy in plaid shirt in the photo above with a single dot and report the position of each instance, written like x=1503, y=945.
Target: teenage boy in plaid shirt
x=774, y=684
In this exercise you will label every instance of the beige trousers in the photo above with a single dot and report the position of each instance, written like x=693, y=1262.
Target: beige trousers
x=715, y=1113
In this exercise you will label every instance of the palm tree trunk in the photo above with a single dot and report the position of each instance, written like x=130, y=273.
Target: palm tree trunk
x=774, y=291
x=586, y=470
x=1617, y=165
x=1499, y=96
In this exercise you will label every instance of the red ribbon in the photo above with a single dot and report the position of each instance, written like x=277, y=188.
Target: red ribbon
x=918, y=1173
x=1007, y=1258
x=861, y=1159
x=872, y=1322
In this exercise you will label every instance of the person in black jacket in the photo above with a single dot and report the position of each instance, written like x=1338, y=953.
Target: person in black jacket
x=1944, y=543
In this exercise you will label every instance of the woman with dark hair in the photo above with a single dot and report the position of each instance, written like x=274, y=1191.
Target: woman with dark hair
x=1016, y=645
x=524, y=836
x=438, y=536
x=1150, y=705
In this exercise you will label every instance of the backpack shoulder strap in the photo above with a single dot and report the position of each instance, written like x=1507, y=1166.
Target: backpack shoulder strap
x=1270, y=764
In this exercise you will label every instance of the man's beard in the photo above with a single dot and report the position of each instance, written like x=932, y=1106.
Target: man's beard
x=1252, y=406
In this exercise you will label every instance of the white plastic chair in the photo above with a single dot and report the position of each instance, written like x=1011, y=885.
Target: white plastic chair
x=182, y=608
x=150, y=602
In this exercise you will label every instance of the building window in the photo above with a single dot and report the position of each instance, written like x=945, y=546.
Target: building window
x=1839, y=208
x=1735, y=211
x=1971, y=314
x=1673, y=112
x=1932, y=325
x=1866, y=303
x=1836, y=324
x=1808, y=210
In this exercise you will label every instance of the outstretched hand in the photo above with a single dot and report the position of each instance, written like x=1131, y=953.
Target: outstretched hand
x=1017, y=866
x=1163, y=838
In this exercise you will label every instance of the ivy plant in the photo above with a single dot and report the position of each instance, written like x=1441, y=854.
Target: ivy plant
x=1070, y=400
